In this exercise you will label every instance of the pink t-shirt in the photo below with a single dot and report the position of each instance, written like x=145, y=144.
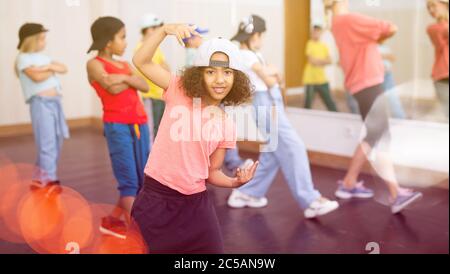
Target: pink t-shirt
x=439, y=37
x=187, y=137
x=357, y=38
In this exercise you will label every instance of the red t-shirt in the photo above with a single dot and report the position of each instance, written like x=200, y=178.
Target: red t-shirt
x=357, y=38
x=122, y=108
x=439, y=37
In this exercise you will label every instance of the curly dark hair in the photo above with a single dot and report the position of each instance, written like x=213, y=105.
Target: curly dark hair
x=194, y=85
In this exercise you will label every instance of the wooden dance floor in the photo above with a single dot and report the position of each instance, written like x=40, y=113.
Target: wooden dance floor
x=279, y=228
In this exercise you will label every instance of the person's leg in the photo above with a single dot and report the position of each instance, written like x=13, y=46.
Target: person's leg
x=264, y=176
x=374, y=113
x=378, y=137
x=394, y=100
x=325, y=94
x=48, y=146
x=59, y=145
x=356, y=164
x=232, y=159
x=121, y=149
x=141, y=143
x=309, y=95
x=123, y=208
x=293, y=159
x=352, y=103
x=296, y=168
x=148, y=105
x=62, y=128
x=126, y=204
x=173, y=223
x=378, y=133
x=442, y=91
x=364, y=99
x=268, y=164
x=142, y=151
x=158, y=111
x=389, y=81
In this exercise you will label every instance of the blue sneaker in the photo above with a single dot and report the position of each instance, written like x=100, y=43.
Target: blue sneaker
x=404, y=200
x=359, y=191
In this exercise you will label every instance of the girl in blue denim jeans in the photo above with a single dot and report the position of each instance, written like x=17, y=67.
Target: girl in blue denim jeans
x=42, y=91
x=285, y=151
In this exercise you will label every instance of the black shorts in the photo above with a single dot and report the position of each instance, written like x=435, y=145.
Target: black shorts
x=374, y=111
x=174, y=223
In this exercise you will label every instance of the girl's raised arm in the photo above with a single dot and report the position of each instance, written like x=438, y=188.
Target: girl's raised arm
x=143, y=57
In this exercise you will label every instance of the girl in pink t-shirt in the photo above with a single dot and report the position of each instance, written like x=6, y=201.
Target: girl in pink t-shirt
x=357, y=38
x=438, y=33
x=173, y=210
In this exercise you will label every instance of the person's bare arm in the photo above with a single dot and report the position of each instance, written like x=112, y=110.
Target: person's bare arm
x=114, y=84
x=272, y=71
x=136, y=81
x=218, y=178
x=58, y=68
x=143, y=61
x=269, y=80
x=393, y=29
x=133, y=81
x=165, y=66
x=38, y=74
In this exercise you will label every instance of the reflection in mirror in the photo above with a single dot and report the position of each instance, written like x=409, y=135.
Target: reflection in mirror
x=414, y=58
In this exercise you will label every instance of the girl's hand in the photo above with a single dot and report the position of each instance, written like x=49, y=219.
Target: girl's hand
x=55, y=68
x=52, y=67
x=243, y=176
x=181, y=31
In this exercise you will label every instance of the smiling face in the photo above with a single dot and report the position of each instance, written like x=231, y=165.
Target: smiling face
x=119, y=44
x=218, y=81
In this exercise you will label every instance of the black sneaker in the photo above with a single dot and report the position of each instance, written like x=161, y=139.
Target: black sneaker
x=113, y=227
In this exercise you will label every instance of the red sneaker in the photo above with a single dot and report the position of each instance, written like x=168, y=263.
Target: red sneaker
x=113, y=227
x=36, y=185
x=53, y=188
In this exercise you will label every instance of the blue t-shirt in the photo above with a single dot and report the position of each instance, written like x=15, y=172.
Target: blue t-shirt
x=29, y=87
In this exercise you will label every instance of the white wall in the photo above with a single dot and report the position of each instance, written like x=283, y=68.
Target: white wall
x=69, y=39
x=414, y=144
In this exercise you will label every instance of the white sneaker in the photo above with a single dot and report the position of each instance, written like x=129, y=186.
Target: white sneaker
x=238, y=199
x=320, y=207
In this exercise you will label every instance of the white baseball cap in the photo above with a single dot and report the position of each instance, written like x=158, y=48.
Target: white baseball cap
x=150, y=20
x=209, y=47
x=317, y=23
